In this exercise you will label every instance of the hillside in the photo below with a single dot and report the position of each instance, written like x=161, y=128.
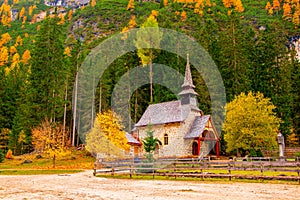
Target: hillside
x=247, y=41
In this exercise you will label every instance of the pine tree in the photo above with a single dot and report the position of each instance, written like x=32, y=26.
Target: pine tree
x=48, y=73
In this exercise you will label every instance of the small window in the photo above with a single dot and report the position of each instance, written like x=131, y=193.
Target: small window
x=166, y=139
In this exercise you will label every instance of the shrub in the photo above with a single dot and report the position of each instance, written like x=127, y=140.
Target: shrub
x=9, y=154
x=297, y=154
x=1, y=156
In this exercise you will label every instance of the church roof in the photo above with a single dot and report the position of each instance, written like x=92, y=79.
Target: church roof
x=131, y=139
x=162, y=113
x=197, y=127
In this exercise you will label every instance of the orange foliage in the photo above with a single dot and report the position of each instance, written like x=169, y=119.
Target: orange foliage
x=165, y=2
x=287, y=11
x=12, y=50
x=183, y=16
x=132, y=22
x=19, y=41
x=67, y=52
x=26, y=57
x=3, y=55
x=130, y=5
x=276, y=4
x=268, y=6
x=22, y=12
x=70, y=13
x=93, y=3
x=9, y=154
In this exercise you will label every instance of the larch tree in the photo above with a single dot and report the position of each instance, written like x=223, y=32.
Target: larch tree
x=130, y=5
x=26, y=57
x=239, y=6
x=48, y=139
x=250, y=123
x=93, y=3
x=145, y=40
x=107, y=135
x=70, y=13
x=268, y=6
x=22, y=12
x=287, y=11
x=3, y=55
x=276, y=5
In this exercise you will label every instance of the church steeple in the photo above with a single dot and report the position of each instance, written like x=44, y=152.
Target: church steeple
x=188, y=94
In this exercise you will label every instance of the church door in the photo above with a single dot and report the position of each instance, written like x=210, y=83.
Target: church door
x=195, y=149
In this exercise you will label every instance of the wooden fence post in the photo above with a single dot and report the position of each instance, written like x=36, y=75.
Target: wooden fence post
x=130, y=171
x=229, y=170
x=95, y=170
x=175, y=168
x=112, y=169
x=153, y=170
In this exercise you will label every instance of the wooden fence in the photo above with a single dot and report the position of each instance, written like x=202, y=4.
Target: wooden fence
x=205, y=169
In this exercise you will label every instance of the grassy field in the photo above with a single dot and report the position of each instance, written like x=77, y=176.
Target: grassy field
x=76, y=161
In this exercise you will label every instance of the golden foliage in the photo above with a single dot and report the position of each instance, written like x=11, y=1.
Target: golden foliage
x=239, y=6
x=130, y=5
x=19, y=41
x=183, y=16
x=132, y=22
x=12, y=50
x=15, y=60
x=268, y=6
x=93, y=3
x=26, y=57
x=22, y=12
x=67, y=52
x=50, y=139
x=9, y=154
x=250, y=122
x=276, y=4
x=70, y=13
x=165, y=3
x=111, y=126
x=3, y=55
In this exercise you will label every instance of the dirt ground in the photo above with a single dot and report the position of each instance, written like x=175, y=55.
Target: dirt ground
x=85, y=186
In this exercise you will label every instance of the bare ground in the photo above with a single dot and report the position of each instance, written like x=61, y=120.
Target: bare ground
x=85, y=186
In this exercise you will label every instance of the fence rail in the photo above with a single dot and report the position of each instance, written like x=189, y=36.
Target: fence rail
x=204, y=168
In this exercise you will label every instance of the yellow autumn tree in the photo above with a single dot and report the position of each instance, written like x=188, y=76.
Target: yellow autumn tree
x=30, y=10
x=70, y=13
x=228, y=3
x=12, y=50
x=26, y=57
x=3, y=55
x=62, y=18
x=130, y=5
x=183, y=16
x=51, y=140
x=276, y=4
x=251, y=123
x=4, y=39
x=208, y=3
x=132, y=22
x=22, y=12
x=107, y=136
x=15, y=60
x=165, y=3
x=239, y=6
x=67, y=52
x=287, y=11
x=296, y=16
x=93, y=3
x=19, y=41
x=5, y=14
x=268, y=6
x=24, y=20
x=15, y=2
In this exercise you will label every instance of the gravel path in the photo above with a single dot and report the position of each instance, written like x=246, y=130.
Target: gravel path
x=85, y=186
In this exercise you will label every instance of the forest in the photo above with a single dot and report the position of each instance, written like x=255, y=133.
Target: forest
x=253, y=44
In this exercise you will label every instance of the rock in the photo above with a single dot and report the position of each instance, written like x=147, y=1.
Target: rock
x=27, y=161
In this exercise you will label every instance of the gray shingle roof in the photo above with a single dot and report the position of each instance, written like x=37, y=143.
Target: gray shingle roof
x=162, y=113
x=131, y=139
x=197, y=127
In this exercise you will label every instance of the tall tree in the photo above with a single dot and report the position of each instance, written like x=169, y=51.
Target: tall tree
x=250, y=123
x=48, y=72
x=145, y=40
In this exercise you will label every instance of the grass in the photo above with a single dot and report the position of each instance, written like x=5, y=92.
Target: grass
x=76, y=160
x=36, y=172
x=206, y=180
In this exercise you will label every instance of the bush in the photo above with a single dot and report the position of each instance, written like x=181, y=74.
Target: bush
x=9, y=154
x=297, y=154
x=1, y=156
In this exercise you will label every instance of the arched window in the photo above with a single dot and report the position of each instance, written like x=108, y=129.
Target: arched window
x=166, y=139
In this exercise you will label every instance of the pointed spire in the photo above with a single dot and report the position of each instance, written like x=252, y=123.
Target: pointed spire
x=188, y=81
